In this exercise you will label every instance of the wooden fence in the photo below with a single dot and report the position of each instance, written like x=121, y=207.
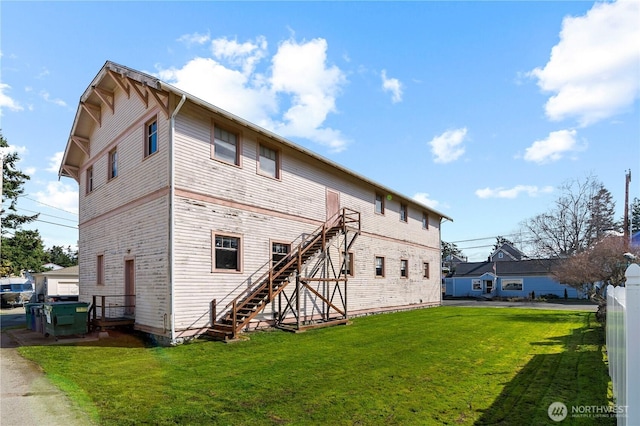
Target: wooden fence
x=623, y=346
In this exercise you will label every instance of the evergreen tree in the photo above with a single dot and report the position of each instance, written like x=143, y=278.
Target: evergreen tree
x=23, y=252
x=12, y=187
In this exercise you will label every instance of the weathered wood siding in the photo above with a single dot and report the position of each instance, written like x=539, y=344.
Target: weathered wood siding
x=215, y=197
x=127, y=217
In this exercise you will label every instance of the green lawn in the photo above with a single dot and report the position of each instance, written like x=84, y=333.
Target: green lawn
x=443, y=365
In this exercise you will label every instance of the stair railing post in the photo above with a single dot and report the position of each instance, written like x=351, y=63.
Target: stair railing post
x=213, y=312
x=271, y=284
x=298, y=299
x=103, y=307
x=235, y=326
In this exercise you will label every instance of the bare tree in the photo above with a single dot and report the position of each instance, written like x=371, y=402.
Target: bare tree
x=579, y=217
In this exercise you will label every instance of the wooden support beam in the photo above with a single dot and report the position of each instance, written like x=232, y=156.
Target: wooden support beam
x=143, y=96
x=82, y=143
x=72, y=171
x=324, y=299
x=106, y=97
x=121, y=82
x=164, y=104
x=94, y=111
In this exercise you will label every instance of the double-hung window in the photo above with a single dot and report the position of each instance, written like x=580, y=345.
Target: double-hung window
x=403, y=212
x=279, y=251
x=379, y=266
x=379, y=204
x=268, y=162
x=113, y=163
x=404, y=268
x=425, y=220
x=89, y=181
x=225, y=146
x=226, y=253
x=151, y=137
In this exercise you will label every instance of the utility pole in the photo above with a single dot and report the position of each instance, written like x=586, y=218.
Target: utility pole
x=627, y=224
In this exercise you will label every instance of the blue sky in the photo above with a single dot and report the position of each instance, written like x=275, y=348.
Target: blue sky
x=477, y=109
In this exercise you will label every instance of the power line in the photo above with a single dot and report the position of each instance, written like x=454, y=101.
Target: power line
x=44, y=214
x=49, y=205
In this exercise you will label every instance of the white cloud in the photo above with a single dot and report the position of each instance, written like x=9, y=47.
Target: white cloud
x=195, y=38
x=6, y=101
x=593, y=70
x=299, y=77
x=392, y=85
x=423, y=198
x=448, y=147
x=553, y=147
x=55, y=161
x=47, y=97
x=531, y=191
x=59, y=195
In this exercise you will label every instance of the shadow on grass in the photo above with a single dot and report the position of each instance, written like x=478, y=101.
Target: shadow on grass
x=577, y=376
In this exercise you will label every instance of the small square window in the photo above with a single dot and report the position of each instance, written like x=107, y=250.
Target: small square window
x=379, y=266
x=425, y=221
x=379, y=204
x=404, y=268
x=113, y=163
x=268, y=162
x=403, y=212
x=151, y=137
x=225, y=146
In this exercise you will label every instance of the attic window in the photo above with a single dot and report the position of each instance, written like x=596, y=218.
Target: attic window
x=379, y=204
x=403, y=212
x=500, y=255
x=89, y=177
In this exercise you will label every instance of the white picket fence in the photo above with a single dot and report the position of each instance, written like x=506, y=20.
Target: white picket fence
x=623, y=345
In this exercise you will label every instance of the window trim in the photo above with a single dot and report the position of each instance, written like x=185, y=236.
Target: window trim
x=375, y=204
x=259, y=171
x=406, y=270
x=89, y=187
x=426, y=270
x=375, y=265
x=112, y=172
x=512, y=281
x=404, y=208
x=147, y=135
x=271, y=252
x=425, y=220
x=100, y=269
x=240, y=251
x=229, y=129
x=350, y=264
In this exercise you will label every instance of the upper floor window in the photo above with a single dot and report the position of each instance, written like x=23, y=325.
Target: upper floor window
x=226, y=146
x=268, y=162
x=348, y=263
x=379, y=204
x=113, y=163
x=151, y=137
x=89, y=177
x=403, y=212
x=226, y=252
x=425, y=221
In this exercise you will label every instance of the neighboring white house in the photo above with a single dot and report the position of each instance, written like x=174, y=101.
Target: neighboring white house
x=58, y=284
x=182, y=203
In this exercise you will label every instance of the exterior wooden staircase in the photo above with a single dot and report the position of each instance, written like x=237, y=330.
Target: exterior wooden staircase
x=243, y=309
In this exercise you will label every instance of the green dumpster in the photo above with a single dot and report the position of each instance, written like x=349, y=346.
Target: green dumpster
x=30, y=313
x=65, y=318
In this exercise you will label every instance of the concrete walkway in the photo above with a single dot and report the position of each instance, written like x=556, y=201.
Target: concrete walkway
x=26, y=396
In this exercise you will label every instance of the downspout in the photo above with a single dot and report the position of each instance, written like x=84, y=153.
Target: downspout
x=172, y=191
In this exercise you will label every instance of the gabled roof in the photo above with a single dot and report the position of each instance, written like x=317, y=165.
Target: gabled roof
x=511, y=252
x=71, y=270
x=506, y=267
x=112, y=76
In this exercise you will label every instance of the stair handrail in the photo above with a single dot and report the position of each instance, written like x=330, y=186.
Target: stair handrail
x=338, y=219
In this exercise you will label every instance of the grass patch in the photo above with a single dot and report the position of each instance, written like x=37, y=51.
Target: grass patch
x=447, y=365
